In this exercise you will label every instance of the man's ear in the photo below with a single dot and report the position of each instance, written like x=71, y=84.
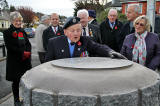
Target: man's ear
x=65, y=32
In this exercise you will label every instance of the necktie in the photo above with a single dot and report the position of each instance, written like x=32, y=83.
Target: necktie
x=55, y=29
x=84, y=32
x=112, y=24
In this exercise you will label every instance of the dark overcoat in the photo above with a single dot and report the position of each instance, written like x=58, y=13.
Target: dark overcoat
x=94, y=22
x=152, y=47
x=111, y=36
x=49, y=33
x=94, y=33
x=16, y=42
x=58, y=48
x=126, y=30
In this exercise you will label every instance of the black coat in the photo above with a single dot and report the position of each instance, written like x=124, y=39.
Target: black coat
x=94, y=33
x=126, y=30
x=111, y=36
x=94, y=22
x=16, y=45
x=58, y=48
x=49, y=33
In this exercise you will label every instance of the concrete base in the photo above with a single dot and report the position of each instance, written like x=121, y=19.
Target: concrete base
x=52, y=85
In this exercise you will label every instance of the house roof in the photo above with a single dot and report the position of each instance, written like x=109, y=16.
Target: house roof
x=5, y=15
x=126, y=1
x=116, y=4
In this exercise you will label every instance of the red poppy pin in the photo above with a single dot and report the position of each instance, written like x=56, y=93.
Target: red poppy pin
x=14, y=34
x=20, y=34
x=58, y=34
x=79, y=43
x=132, y=46
x=116, y=27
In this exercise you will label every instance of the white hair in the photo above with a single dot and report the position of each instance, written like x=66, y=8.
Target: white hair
x=112, y=10
x=82, y=11
x=136, y=7
x=14, y=15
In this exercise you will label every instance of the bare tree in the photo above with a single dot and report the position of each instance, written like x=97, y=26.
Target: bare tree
x=88, y=4
x=27, y=14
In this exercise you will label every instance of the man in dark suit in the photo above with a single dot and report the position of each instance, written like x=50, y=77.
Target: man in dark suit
x=75, y=45
x=52, y=31
x=110, y=29
x=128, y=28
x=88, y=29
x=92, y=17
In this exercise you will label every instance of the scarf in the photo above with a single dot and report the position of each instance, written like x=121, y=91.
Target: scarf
x=139, y=51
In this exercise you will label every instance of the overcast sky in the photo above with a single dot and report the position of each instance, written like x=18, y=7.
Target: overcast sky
x=62, y=7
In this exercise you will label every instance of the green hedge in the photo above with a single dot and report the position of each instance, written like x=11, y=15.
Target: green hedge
x=103, y=15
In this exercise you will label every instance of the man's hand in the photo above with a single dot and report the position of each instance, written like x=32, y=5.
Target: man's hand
x=114, y=54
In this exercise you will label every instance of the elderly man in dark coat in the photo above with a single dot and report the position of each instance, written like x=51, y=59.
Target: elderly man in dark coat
x=92, y=17
x=128, y=28
x=75, y=45
x=110, y=29
x=52, y=31
x=88, y=29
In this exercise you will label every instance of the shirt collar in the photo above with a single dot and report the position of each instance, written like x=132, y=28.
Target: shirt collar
x=90, y=21
x=111, y=24
x=69, y=41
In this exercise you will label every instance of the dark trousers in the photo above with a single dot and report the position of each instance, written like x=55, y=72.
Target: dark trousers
x=41, y=56
x=15, y=89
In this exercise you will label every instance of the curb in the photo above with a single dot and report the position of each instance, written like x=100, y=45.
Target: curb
x=5, y=98
x=2, y=59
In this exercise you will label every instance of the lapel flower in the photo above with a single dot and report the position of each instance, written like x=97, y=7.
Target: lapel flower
x=79, y=43
x=58, y=34
x=20, y=34
x=116, y=27
x=14, y=34
x=132, y=46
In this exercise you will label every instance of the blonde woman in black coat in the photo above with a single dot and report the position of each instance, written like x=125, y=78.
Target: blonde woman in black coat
x=18, y=53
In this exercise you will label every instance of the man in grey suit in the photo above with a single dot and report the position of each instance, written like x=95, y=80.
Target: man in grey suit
x=74, y=45
x=88, y=29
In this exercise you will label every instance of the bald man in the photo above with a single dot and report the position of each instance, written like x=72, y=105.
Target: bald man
x=132, y=14
x=110, y=29
x=52, y=31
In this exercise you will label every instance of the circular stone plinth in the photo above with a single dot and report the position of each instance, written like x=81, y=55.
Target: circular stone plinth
x=91, y=81
x=91, y=63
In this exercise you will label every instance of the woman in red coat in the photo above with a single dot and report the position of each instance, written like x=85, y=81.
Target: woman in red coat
x=18, y=53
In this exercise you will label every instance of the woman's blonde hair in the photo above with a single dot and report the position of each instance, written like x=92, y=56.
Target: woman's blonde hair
x=147, y=25
x=14, y=15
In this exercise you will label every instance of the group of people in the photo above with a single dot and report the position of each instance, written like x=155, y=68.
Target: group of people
x=80, y=36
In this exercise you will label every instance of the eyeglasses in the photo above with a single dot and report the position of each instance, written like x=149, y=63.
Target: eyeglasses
x=140, y=24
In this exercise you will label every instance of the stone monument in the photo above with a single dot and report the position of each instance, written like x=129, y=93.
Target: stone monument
x=90, y=81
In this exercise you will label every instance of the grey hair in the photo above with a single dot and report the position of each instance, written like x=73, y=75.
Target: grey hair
x=112, y=9
x=136, y=7
x=82, y=11
x=147, y=25
x=14, y=15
